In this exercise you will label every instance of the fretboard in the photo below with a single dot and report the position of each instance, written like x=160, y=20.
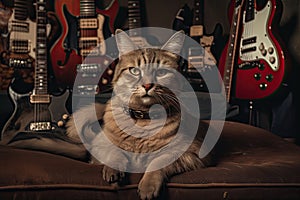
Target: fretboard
x=41, y=49
x=198, y=12
x=87, y=8
x=134, y=17
x=231, y=50
x=249, y=10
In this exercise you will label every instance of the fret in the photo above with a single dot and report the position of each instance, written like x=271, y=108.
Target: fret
x=134, y=15
x=87, y=8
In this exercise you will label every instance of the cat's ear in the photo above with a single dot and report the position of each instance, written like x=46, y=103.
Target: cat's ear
x=175, y=43
x=124, y=42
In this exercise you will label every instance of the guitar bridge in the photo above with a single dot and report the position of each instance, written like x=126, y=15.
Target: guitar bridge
x=40, y=126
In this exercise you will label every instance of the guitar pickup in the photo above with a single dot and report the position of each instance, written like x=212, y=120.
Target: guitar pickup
x=88, y=90
x=88, y=23
x=249, y=41
x=88, y=42
x=195, y=62
x=20, y=46
x=90, y=52
x=196, y=51
x=89, y=46
x=19, y=27
x=247, y=50
x=40, y=98
x=89, y=70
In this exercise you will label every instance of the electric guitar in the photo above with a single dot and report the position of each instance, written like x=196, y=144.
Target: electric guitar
x=19, y=54
x=253, y=58
x=36, y=113
x=200, y=57
x=82, y=36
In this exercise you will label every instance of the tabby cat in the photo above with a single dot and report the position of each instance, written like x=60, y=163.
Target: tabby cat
x=142, y=117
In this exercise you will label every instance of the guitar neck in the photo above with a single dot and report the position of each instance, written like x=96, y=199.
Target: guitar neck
x=41, y=78
x=249, y=7
x=231, y=49
x=134, y=17
x=198, y=19
x=87, y=8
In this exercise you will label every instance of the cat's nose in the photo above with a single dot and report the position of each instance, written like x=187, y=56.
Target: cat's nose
x=148, y=86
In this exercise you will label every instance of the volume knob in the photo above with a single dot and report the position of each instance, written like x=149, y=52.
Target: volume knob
x=272, y=59
x=261, y=46
x=270, y=50
x=263, y=86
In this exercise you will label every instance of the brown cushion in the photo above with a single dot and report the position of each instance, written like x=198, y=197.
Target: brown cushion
x=254, y=164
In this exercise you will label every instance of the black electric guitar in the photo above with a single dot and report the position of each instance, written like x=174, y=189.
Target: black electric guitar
x=37, y=112
x=200, y=56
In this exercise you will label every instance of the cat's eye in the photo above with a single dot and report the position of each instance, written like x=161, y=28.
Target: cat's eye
x=135, y=71
x=161, y=72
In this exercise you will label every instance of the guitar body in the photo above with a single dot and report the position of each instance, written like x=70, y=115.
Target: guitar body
x=70, y=50
x=111, y=13
x=200, y=56
x=260, y=65
x=19, y=55
x=24, y=113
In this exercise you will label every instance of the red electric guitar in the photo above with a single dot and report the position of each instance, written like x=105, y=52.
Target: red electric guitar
x=82, y=30
x=253, y=58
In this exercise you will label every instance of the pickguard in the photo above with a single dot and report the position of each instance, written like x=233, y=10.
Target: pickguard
x=256, y=42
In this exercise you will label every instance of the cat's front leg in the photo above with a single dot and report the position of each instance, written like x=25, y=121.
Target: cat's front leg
x=152, y=181
x=150, y=185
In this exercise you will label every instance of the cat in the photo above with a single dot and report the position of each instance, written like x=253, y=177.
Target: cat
x=145, y=101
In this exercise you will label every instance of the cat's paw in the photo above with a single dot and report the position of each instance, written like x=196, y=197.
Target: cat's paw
x=150, y=185
x=111, y=175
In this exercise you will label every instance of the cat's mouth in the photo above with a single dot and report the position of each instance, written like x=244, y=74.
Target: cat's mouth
x=147, y=99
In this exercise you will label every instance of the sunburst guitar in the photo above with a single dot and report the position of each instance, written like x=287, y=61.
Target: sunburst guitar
x=82, y=32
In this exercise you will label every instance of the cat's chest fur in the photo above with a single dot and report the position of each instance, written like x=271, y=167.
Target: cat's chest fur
x=138, y=135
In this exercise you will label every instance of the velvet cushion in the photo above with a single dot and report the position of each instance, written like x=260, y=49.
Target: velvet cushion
x=254, y=164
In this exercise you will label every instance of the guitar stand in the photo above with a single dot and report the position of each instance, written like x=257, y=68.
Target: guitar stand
x=257, y=117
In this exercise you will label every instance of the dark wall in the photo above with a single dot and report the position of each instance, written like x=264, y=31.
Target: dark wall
x=161, y=13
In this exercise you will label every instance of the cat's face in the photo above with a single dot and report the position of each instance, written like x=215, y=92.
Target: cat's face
x=144, y=77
